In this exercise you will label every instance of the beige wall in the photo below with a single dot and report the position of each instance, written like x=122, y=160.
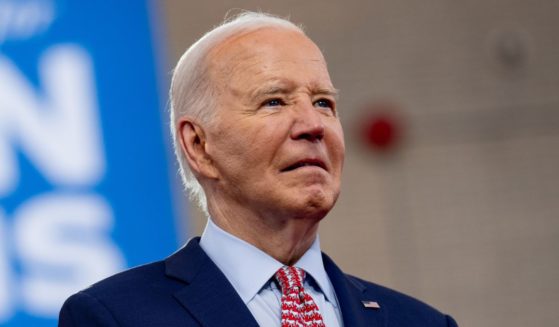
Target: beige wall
x=465, y=214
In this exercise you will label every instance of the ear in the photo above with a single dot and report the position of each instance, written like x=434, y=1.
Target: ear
x=193, y=144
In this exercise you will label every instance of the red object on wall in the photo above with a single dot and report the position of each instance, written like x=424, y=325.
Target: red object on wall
x=381, y=130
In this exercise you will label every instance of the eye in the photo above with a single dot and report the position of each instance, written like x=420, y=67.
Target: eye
x=275, y=102
x=324, y=103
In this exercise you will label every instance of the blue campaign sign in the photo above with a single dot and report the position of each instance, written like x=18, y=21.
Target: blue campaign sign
x=84, y=167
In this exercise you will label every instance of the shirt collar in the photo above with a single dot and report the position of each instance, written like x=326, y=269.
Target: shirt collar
x=237, y=260
x=312, y=263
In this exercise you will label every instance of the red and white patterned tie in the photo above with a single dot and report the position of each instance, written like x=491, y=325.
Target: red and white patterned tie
x=298, y=309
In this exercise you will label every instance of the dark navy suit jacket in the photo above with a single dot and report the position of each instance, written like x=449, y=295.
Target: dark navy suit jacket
x=188, y=289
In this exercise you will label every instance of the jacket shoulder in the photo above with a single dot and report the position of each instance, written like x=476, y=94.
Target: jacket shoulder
x=123, y=299
x=133, y=280
x=402, y=309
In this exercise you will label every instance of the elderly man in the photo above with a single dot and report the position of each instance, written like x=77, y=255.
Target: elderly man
x=257, y=133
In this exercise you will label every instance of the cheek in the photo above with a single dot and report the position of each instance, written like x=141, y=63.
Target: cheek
x=246, y=146
x=264, y=139
x=336, y=144
x=225, y=149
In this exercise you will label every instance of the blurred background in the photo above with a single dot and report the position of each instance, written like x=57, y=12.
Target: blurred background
x=451, y=117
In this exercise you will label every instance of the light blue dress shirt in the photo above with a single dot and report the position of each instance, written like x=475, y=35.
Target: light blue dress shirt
x=251, y=272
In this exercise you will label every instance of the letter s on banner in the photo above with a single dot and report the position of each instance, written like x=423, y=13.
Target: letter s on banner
x=64, y=246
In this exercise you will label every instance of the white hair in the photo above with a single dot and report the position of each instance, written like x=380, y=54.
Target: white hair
x=192, y=92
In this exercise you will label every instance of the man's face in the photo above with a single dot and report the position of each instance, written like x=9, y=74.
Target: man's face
x=277, y=142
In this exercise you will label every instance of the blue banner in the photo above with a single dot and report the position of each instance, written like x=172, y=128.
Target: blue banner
x=84, y=163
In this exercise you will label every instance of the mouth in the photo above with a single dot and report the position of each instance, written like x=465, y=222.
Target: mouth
x=306, y=163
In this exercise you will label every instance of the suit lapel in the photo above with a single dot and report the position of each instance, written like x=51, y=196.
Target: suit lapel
x=350, y=295
x=208, y=295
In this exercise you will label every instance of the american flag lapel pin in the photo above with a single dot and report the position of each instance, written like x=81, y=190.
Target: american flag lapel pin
x=371, y=304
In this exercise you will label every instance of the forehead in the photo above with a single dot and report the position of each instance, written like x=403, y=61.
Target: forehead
x=268, y=54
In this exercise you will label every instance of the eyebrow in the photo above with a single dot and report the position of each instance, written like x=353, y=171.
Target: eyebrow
x=327, y=91
x=271, y=90
x=281, y=87
x=285, y=87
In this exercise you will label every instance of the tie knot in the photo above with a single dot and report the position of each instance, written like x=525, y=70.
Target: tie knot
x=290, y=277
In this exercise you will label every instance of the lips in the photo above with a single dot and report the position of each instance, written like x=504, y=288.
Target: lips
x=305, y=163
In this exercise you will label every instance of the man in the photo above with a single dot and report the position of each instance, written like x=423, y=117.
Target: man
x=257, y=133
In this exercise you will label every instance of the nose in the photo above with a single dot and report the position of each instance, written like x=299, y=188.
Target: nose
x=308, y=124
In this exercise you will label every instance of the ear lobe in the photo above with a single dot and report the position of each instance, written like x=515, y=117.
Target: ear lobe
x=193, y=144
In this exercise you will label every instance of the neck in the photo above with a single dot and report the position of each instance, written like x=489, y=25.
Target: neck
x=284, y=238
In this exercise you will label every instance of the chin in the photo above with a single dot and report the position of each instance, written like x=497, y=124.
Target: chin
x=315, y=205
